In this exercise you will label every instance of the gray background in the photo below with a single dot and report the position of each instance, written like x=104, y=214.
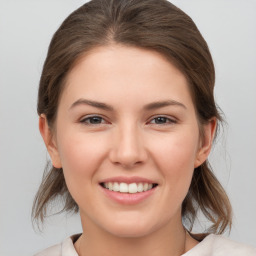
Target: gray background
x=26, y=27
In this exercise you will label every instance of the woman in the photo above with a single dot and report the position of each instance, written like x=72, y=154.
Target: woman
x=128, y=117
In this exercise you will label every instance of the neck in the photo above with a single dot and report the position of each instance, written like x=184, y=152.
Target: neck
x=168, y=241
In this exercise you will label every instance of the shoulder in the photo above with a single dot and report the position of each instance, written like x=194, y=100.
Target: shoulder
x=225, y=245
x=216, y=245
x=51, y=251
x=66, y=248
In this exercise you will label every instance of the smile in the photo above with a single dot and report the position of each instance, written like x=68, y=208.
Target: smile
x=130, y=188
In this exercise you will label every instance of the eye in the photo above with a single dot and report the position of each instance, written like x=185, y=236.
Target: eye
x=162, y=120
x=93, y=120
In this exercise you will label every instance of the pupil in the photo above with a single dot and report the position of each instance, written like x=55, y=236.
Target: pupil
x=160, y=120
x=96, y=120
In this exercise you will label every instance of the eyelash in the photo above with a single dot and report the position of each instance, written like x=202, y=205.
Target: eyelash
x=167, y=119
x=84, y=120
x=87, y=120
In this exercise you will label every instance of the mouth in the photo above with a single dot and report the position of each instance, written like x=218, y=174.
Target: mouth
x=128, y=188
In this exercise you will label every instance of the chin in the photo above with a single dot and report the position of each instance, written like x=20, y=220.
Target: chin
x=130, y=229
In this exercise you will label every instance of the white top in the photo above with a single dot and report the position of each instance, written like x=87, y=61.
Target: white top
x=212, y=245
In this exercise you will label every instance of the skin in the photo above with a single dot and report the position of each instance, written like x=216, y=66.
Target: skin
x=128, y=141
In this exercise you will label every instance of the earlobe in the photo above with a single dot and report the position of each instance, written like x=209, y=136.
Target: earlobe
x=206, y=142
x=49, y=141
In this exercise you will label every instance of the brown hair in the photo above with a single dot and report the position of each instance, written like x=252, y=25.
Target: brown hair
x=152, y=24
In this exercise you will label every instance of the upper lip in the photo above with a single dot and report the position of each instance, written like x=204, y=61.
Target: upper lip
x=128, y=180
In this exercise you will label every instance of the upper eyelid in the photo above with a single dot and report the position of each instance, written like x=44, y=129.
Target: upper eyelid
x=165, y=116
x=86, y=117
x=92, y=115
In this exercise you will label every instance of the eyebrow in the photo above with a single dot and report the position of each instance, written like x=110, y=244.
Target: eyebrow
x=150, y=106
x=165, y=103
x=92, y=103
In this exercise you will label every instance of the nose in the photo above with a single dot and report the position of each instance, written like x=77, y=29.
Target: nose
x=128, y=149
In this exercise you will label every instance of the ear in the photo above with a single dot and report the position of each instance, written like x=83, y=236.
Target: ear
x=49, y=141
x=205, y=144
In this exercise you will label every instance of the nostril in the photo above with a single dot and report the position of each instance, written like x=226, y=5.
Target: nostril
x=128, y=152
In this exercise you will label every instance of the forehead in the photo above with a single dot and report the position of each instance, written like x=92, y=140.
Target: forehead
x=118, y=57
x=120, y=72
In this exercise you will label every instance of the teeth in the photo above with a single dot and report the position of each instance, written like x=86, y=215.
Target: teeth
x=133, y=188
x=128, y=188
x=140, y=187
x=115, y=186
x=110, y=185
x=123, y=188
x=145, y=187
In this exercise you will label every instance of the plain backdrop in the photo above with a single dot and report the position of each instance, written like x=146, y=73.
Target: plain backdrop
x=26, y=27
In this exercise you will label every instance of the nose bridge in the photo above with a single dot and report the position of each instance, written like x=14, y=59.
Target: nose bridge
x=128, y=148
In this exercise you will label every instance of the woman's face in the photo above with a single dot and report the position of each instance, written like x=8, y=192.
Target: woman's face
x=126, y=122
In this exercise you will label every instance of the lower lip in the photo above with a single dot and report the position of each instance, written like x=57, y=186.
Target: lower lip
x=127, y=198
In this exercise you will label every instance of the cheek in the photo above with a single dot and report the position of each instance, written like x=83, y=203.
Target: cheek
x=80, y=156
x=175, y=156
